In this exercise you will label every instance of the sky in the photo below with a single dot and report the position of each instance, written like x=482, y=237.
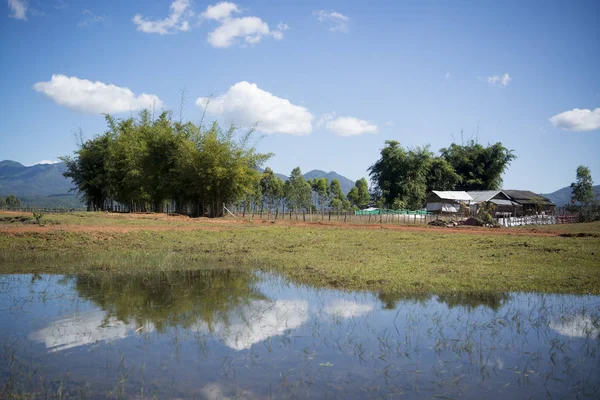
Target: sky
x=327, y=81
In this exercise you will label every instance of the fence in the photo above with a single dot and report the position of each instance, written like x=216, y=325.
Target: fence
x=29, y=209
x=405, y=217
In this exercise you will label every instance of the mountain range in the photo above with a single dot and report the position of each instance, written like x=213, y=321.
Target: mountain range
x=43, y=185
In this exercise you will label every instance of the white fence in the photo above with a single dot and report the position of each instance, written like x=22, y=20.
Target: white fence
x=529, y=220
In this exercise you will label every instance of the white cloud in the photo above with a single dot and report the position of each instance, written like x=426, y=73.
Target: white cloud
x=346, y=126
x=220, y=11
x=178, y=20
x=577, y=120
x=337, y=22
x=499, y=80
x=347, y=309
x=94, y=97
x=19, y=9
x=251, y=29
x=245, y=104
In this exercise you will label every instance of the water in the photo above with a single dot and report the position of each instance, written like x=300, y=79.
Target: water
x=240, y=335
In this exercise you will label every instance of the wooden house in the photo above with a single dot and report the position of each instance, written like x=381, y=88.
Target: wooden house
x=532, y=203
x=501, y=201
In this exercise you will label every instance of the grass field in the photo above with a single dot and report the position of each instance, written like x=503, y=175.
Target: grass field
x=374, y=257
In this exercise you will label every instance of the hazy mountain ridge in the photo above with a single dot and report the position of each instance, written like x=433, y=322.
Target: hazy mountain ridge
x=39, y=181
x=563, y=196
x=35, y=180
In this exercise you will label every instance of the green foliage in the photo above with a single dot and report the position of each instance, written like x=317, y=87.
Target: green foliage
x=2, y=202
x=400, y=175
x=38, y=216
x=298, y=192
x=12, y=201
x=479, y=167
x=582, y=189
x=337, y=196
x=320, y=188
x=486, y=212
x=144, y=164
x=272, y=188
x=359, y=196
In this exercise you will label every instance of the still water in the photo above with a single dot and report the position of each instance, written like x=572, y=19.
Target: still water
x=240, y=335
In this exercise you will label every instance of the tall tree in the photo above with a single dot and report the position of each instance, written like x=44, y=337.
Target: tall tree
x=479, y=167
x=298, y=193
x=12, y=201
x=271, y=188
x=359, y=194
x=337, y=196
x=400, y=175
x=88, y=171
x=320, y=188
x=582, y=190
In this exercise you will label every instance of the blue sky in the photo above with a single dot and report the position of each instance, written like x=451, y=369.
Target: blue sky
x=329, y=81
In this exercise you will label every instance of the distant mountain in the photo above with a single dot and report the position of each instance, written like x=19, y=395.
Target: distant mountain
x=563, y=196
x=345, y=183
x=34, y=181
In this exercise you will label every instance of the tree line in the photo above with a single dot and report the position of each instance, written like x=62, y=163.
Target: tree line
x=10, y=201
x=148, y=164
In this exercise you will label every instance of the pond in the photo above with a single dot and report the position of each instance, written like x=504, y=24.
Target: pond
x=221, y=335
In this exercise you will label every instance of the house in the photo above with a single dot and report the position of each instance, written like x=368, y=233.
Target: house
x=447, y=202
x=532, y=203
x=502, y=202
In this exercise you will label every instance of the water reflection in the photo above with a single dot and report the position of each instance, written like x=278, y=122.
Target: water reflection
x=217, y=335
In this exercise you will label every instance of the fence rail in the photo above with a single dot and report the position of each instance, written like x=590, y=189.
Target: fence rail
x=403, y=217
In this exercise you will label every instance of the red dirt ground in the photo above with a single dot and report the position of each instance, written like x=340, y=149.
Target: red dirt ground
x=219, y=224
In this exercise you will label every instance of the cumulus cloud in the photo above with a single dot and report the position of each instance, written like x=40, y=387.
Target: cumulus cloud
x=246, y=104
x=251, y=29
x=178, y=20
x=499, y=80
x=346, y=126
x=220, y=11
x=19, y=9
x=577, y=120
x=337, y=22
x=94, y=97
x=46, y=162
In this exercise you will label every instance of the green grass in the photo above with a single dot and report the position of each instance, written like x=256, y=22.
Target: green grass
x=381, y=259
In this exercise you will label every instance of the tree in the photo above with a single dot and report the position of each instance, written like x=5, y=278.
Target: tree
x=321, y=189
x=2, y=203
x=400, y=175
x=582, y=190
x=479, y=167
x=359, y=194
x=271, y=188
x=441, y=175
x=298, y=193
x=144, y=163
x=88, y=171
x=337, y=196
x=12, y=201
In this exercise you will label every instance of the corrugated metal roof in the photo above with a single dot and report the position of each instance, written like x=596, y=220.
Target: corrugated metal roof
x=527, y=197
x=456, y=195
x=483, y=195
x=501, y=202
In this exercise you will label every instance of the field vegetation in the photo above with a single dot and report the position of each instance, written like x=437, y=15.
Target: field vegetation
x=375, y=257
